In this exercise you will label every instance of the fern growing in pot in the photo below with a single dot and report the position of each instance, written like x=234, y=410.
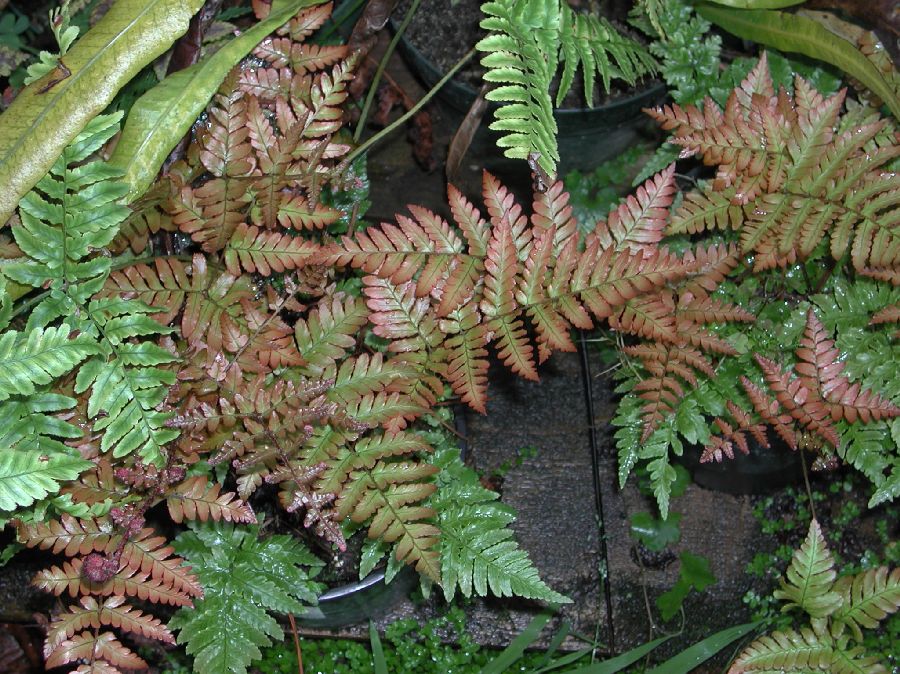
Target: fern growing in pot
x=204, y=384
x=807, y=193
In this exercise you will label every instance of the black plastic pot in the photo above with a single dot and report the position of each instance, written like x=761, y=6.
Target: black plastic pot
x=370, y=597
x=586, y=136
x=764, y=470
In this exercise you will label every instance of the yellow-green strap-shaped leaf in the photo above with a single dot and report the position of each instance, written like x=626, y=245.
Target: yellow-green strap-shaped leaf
x=161, y=117
x=41, y=121
x=792, y=33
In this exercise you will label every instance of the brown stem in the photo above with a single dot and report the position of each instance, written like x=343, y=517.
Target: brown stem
x=296, y=643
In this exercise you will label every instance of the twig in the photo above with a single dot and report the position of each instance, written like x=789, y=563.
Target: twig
x=812, y=506
x=403, y=119
x=296, y=643
x=382, y=64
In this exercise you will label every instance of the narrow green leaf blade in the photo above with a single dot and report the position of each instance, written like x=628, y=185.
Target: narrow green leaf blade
x=792, y=33
x=512, y=653
x=377, y=651
x=38, y=125
x=702, y=651
x=161, y=117
x=620, y=662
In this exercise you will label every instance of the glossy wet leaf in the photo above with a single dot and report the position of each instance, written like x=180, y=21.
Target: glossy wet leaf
x=654, y=533
x=797, y=34
x=160, y=118
x=39, y=124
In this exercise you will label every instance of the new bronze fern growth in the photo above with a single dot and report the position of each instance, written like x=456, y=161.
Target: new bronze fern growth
x=442, y=298
x=796, y=180
x=802, y=406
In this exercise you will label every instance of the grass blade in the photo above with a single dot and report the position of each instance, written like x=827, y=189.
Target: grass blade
x=620, y=662
x=702, y=651
x=512, y=653
x=377, y=651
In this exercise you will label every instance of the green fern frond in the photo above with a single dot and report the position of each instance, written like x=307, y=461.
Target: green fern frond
x=72, y=212
x=788, y=651
x=39, y=357
x=67, y=220
x=868, y=598
x=244, y=579
x=478, y=553
x=328, y=333
x=809, y=579
x=126, y=387
x=527, y=41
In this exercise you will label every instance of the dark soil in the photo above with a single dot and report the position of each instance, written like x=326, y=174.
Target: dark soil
x=444, y=32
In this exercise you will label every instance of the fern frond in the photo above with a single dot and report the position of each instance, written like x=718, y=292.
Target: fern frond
x=306, y=21
x=265, y=252
x=526, y=42
x=245, y=578
x=890, y=314
x=124, y=383
x=69, y=535
x=385, y=493
x=70, y=579
x=785, y=651
x=113, y=612
x=151, y=554
x=92, y=646
x=328, y=332
x=297, y=213
x=162, y=286
x=809, y=580
x=467, y=362
x=477, y=551
x=796, y=169
x=281, y=52
x=71, y=212
x=39, y=357
x=640, y=219
x=197, y=499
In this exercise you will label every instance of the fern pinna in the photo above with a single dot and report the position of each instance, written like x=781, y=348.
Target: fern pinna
x=837, y=612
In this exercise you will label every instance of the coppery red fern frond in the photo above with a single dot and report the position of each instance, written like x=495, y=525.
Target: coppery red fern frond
x=790, y=173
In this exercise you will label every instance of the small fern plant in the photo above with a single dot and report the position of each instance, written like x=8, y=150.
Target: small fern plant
x=835, y=613
x=528, y=42
x=245, y=578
